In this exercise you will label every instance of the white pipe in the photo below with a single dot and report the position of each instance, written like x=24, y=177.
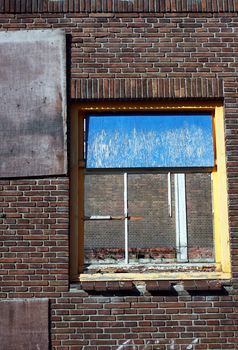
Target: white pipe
x=169, y=195
x=181, y=218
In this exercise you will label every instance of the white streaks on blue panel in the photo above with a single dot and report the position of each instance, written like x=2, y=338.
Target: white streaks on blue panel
x=149, y=141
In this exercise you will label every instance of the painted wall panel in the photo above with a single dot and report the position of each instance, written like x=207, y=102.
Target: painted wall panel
x=24, y=324
x=33, y=103
x=147, y=141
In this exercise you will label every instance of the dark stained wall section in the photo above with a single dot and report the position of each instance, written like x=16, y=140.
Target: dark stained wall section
x=33, y=103
x=24, y=324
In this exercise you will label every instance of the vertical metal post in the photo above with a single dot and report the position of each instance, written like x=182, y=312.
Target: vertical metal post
x=126, y=218
x=84, y=138
x=181, y=218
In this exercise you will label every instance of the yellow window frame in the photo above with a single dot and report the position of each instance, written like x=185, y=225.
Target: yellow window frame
x=219, y=183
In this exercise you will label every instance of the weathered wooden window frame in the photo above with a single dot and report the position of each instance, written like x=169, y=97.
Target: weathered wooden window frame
x=219, y=181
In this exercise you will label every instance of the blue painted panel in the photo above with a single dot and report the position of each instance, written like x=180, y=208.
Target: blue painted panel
x=148, y=141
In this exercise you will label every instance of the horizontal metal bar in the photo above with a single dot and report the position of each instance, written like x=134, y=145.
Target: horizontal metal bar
x=110, y=171
x=109, y=217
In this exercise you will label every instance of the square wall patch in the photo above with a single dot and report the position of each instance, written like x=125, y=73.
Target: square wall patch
x=24, y=324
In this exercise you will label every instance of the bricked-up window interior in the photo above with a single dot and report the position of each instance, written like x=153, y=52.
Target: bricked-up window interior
x=147, y=189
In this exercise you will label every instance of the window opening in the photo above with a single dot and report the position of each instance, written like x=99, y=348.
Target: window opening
x=206, y=195
x=147, y=215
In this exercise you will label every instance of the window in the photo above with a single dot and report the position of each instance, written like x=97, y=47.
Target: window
x=144, y=199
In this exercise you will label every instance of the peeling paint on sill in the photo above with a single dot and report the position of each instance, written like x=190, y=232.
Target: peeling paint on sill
x=145, y=269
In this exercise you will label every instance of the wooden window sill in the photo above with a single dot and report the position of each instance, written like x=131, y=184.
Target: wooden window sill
x=160, y=276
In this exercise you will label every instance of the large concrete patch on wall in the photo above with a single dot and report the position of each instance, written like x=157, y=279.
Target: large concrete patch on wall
x=24, y=324
x=33, y=103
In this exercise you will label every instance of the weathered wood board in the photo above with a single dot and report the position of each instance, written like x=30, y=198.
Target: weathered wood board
x=148, y=141
x=24, y=324
x=33, y=103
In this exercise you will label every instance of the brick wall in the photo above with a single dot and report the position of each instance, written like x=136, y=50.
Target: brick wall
x=34, y=217
x=116, y=55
